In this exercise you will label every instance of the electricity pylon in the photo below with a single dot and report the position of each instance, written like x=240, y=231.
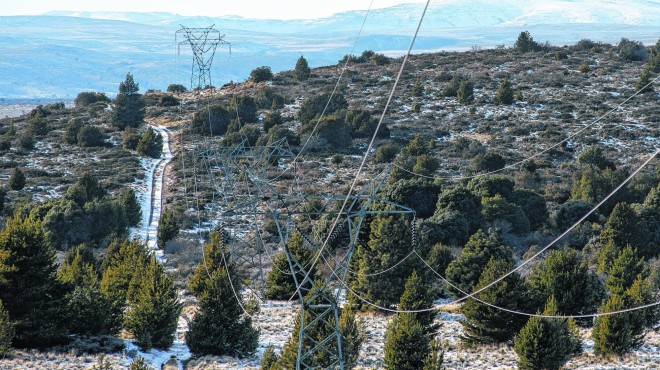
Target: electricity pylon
x=203, y=42
x=319, y=299
x=231, y=185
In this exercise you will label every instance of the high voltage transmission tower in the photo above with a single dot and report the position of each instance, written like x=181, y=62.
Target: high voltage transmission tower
x=203, y=42
x=319, y=298
x=247, y=200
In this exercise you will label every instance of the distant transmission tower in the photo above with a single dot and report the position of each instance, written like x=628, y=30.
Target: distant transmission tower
x=203, y=42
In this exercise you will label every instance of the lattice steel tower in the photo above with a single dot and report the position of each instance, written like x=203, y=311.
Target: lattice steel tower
x=203, y=42
x=319, y=298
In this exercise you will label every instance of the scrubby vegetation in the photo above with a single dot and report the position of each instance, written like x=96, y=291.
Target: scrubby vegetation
x=496, y=157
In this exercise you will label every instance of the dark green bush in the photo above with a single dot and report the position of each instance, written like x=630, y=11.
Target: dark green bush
x=84, y=99
x=260, y=74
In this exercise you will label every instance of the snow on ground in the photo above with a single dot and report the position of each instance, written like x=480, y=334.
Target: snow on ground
x=150, y=196
x=142, y=190
x=149, y=192
x=35, y=359
x=157, y=191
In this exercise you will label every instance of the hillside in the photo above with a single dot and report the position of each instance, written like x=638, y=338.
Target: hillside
x=62, y=53
x=566, y=101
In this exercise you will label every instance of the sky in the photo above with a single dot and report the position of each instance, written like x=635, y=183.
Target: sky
x=264, y=9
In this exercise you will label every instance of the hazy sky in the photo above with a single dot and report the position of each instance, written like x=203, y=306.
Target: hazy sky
x=283, y=9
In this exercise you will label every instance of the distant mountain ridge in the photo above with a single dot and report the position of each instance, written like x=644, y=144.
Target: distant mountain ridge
x=441, y=13
x=62, y=53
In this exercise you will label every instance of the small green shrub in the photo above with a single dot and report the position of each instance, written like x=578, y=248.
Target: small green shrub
x=260, y=74
x=176, y=88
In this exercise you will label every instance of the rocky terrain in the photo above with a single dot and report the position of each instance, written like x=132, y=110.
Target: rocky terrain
x=561, y=108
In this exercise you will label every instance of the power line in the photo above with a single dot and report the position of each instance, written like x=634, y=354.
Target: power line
x=515, y=312
x=334, y=90
x=373, y=138
x=578, y=222
x=472, y=295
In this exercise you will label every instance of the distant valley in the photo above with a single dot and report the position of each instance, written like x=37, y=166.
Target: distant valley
x=60, y=54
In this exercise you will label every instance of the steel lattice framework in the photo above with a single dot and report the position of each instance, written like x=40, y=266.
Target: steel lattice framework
x=228, y=168
x=246, y=200
x=319, y=299
x=203, y=42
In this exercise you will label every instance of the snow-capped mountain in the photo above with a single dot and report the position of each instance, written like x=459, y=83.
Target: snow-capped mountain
x=62, y=53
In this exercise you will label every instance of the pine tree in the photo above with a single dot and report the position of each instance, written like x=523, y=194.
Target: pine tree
x=643, y=85
x=439, y=258
x=388, y=243
x=624, y=270
x=139, y=363
x=6, y=332
x=613, y=334
x=352, y=336
x=269, y=359
x=650, y=214
x=76, y=261
x=436, y=356
x=88, y=308
x=465, y=270
x=29, y=289
x=526, y=43
x=130, y=206
x=150, y=144
x=406, y=343
x=409, y=157
x=86, y=189
x=129, y=106
x=103, y=364
x=408, y=333
x=485, y=324
x=302, y=71
x=653, y=63
x=289, y=355
x=418, y=89
x=564, y=274
x=417, y=296
x=504, y=93
x=121, y=263
x=545, y=343
x=608, y=253
x=624, y=227
x=465, y=93
x=153, y=310
x=593, y=184
x=168, y=228
x=16, y=180
x=279, y=282
x=218, y=327
x=643, y=291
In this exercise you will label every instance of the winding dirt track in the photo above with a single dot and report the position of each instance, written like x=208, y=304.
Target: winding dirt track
x=178, y=351
x=156, y=191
